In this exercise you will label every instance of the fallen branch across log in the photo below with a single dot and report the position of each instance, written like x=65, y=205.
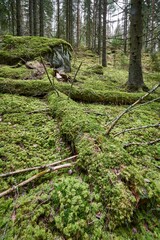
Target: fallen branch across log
x=114, y=122
x=137, y=128
x=142, y=143
x=37, y=167
x=51, y=169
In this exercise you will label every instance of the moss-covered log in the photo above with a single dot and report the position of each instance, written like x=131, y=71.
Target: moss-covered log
x=42, y=87
x=115, y=174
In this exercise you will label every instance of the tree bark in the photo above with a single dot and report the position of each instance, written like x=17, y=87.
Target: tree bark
x=135, y=79
x=58, y=19
x=104, y=49
x=35, y=22
x=18, y=17
x=99, y=27
x=13, y=20
x=30, y=17
x=78, y=23
x=41, y=17
x=125, y=26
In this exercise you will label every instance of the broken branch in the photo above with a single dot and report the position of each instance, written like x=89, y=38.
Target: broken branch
x=114, y=122
x=74, y=78
x=35, y=177
x=37, y=168
x=51, y=82
x=142, y=143
x=137, y=128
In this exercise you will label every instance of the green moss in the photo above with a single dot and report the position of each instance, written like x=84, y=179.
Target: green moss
x=26, y=139
x=16, y=72
x=42, y=87
x=26, y=88
x=106, y=159
x=27, y=48
x=113, y=193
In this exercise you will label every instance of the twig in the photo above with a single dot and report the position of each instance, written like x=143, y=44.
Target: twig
x=142, y=143
x=137, y=128
x=35, y=111
x=155, y=99
x=35, y=177
x=113, y=123
x=51, y=82
x=74, y=78
x=38, y=167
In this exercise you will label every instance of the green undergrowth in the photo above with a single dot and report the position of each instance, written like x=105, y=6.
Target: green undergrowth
x=123, y=178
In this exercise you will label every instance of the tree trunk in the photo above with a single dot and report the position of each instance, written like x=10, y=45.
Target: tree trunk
x=35, y=22
x=13, y=20
x=30, y=17
x=18, y=18
x=99, y=27
x=135, y=80
x=41, y=17
x=78, y=23
x=125, y=26
x=58, y=19
x=104, y=49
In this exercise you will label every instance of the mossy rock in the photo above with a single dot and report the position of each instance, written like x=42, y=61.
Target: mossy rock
x=97, y=69
x=15, y=49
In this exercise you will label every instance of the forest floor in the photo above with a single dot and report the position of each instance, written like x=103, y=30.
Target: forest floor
x=111, y=187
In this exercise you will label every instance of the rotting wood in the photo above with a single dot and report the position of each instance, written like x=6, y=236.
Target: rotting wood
x=38, y=175
x=37, y=167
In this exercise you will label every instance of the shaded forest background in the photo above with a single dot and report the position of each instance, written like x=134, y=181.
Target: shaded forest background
x=81, y=22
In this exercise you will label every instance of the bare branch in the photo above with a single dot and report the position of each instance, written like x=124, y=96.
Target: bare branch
x=137, y=128
x=142, y=143
x=51, y=82
x=38, y=167
x=113, y=123
x=12, y=189
x=74, y=78
x=155, y=99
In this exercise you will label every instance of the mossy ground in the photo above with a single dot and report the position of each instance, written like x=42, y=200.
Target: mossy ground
x=113, y=193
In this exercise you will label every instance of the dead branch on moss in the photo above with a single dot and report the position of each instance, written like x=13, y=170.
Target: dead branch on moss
x=31, y=112
x=114, y=122
x=142, y=143
x=154, y=100
x=137, y=128
x=38, y=175
x=38, y=167
x=51, y=82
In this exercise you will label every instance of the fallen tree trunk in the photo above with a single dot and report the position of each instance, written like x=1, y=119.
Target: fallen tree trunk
x=107, y=170
x=38, y=88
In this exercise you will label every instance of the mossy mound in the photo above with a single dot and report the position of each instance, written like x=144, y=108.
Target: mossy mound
x=121, y=179
x=15, y=49
x=19, y=72
x=77, y=93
